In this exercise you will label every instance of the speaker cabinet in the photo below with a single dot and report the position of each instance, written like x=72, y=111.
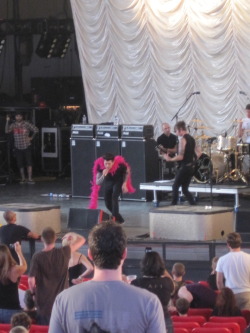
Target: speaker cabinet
x=80, y=218
x=82, y=161
x=242, y=220
x=107, y=146
x=55, y=149
x=143, y=160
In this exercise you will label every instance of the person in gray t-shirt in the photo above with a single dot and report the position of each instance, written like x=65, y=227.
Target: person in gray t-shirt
x=106, y=303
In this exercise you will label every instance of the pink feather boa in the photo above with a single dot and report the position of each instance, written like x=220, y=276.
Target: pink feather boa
x=99, y=165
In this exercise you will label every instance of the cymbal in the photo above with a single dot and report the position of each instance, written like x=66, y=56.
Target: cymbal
x=202, y=127
x=237, y=121
x=196, y=120
x=202, y=137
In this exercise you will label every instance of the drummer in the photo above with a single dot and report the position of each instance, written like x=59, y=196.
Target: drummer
x=244, y=127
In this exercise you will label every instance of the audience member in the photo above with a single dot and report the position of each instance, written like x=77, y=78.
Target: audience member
x=21, y=319
x=154, y=280
x=106, y=303
x=10, y=272
x=234, y=267
x=212, y=277
x=198, y=295
x=48, y=274
x=182, y=306
x=29, y=306
x=226, y=304
x=79, y=265
x=19, y=329
x=178, y=272
x=12, y=233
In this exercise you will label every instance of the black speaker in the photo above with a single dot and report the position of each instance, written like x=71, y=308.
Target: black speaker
x=143, y=160
x=82, y=161
x=242, y=220
x=108, y=146
x=80, y=218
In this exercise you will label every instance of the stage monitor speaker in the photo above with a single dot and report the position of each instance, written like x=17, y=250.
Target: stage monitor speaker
x=82, y=161
x=242, y=220
x=108, y=146
x=143, y=160
x=81, y=218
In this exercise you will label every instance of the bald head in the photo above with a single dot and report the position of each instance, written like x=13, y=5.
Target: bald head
x=166, y=129
x=10, y=217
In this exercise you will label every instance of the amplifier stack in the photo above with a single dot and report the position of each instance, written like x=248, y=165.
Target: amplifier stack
x=134, y=142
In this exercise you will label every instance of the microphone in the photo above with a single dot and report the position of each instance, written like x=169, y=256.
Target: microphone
x=242, y=93
x=196, y=93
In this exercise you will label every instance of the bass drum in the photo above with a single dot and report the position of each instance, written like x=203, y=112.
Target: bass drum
x=204, y=164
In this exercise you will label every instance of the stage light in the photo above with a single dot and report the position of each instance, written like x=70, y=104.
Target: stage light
x=53, y=44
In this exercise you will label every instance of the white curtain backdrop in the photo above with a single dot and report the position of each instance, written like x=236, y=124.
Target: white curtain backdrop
x=141, y=59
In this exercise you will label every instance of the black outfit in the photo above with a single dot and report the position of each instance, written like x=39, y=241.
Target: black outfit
x=161, y=287
x=76, y=271
x=167, y=141
x=212, y=281
x=112, y=190
x=185, y=171
x=12, y=233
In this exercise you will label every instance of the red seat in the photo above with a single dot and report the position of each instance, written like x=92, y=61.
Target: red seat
x=5, y=327
x=234, y=327
x=189, y=281
x=189, y=325
x=246, y=315
x=39, y=329
x=180, y=330
x=240, y=320
x=198, y=319
x=205, y=312
x=211, y=330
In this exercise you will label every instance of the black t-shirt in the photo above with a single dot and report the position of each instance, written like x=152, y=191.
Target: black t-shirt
x=167, y=141
x=118, y=176
x=12, y=233
x=160, y=286
x=189, y=154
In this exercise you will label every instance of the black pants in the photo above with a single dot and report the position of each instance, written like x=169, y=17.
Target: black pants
x=112, y=191
x=183, y=178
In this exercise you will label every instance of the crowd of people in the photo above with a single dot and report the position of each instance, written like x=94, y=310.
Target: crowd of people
x=107, y=302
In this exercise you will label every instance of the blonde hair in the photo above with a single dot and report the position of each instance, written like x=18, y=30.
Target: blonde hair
x=6, y=263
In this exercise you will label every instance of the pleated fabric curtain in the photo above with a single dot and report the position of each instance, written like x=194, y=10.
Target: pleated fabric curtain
x=142, y=60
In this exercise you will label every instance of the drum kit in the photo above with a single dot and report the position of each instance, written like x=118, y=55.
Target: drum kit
x=219, y=158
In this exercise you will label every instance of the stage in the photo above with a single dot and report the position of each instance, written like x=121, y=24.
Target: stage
x=165, y=185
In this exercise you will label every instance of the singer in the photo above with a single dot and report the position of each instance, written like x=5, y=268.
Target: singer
x=114, y=173
x=244, y=127
x=186, y=157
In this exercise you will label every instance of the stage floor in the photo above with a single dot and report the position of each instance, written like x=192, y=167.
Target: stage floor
x=136, y=224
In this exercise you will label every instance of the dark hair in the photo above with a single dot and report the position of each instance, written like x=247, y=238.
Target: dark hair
x=178, y=269
x=28, y=300
x=152, y=264
x=107, y=243
x=234, y=240
x=226, y=302
x=248, y=107
x=182, y=305
x=180, y=125
x=48, y=235
x=108, y=157
x=21, y=319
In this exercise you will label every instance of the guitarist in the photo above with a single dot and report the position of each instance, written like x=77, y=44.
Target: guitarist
x=167, y=143
x=187, y=158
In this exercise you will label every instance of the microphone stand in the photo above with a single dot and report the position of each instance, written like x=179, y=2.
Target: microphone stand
x=176, y=115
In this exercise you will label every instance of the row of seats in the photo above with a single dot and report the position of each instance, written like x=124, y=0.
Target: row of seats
x=190, y=323
x=34, y=328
